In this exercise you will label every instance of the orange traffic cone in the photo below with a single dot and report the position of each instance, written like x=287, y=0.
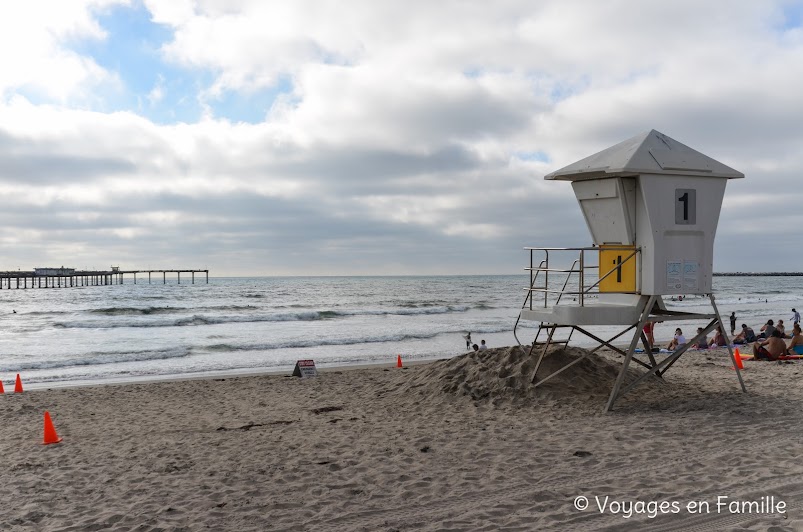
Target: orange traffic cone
x=50, y=431
x=18, y=385
x=398, y=361
x=738, y=357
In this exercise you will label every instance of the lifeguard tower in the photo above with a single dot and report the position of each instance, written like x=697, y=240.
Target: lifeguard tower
x=652, y=206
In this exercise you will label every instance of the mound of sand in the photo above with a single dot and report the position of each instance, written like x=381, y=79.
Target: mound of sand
x=505, y=374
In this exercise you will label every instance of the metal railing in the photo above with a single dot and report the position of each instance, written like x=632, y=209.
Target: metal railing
x=587, y=275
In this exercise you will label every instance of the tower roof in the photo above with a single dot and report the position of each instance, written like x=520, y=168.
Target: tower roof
x=651, y=152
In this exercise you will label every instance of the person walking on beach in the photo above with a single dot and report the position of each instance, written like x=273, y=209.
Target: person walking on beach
x=733, y=323
x=467, y=338
x=795, y=317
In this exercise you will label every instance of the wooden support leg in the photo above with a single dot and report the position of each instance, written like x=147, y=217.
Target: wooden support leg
x=645, y=314
x=728, y=343
x=543, y=353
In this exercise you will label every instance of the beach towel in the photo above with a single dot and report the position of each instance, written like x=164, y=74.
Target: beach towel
x=782, y=357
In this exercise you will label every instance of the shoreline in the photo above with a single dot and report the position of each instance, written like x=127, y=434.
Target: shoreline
x=232, y=373
x=177, y=377
x=283, y=370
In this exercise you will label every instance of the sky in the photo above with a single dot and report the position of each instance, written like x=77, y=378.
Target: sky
x=256, y=137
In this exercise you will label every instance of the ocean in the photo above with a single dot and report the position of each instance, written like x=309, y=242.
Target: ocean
x=129, y=332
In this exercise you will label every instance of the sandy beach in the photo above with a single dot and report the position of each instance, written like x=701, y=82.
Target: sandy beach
x=458, y=444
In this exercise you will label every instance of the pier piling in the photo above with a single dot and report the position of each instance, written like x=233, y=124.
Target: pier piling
x=69, y=278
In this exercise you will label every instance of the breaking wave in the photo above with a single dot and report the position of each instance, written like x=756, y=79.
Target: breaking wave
x=204, y=319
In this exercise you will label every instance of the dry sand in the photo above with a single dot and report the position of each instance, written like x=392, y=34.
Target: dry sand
x=459, y=444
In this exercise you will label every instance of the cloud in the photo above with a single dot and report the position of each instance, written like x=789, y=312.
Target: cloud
x=34, y=59
x=376, y=137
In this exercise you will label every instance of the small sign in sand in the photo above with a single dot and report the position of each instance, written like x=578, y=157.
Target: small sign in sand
x=305, y=369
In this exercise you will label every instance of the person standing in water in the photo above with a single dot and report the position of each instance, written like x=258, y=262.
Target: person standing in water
x=467, y=338
x=733, y=323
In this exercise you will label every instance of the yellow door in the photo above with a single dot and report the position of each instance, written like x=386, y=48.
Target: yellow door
x=621, y=262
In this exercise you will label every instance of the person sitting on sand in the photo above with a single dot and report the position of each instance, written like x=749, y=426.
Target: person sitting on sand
x=771, y=348
x=780, y=326
x=678, y=341
x=797, y=339
x=475, y=347
x=483, y=347
x=746, y=336
x=702, y=343
x=766, y=329
x=718, y=340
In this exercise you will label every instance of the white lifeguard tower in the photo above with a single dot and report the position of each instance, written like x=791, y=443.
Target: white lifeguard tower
x=652, y=205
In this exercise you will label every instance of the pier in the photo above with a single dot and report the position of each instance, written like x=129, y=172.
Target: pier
x=68, y=277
